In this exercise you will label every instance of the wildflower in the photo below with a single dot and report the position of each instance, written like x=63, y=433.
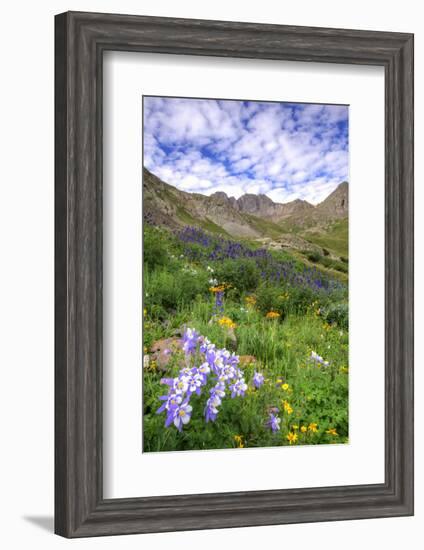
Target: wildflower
x=250, y=300
x=226, y=322
x=258, y=379
x=317, y=359
x=190, y=340
x=194, y=383
x=291, y=438
x=218, y=288
x=203, y=371
x=219, y=302
x=279, y=381
x=273, y=423
x=295, y=427
x=285, y=386
x=153, y=365
x=331, y=431
x=287, y=407
x=170, y=402
x=182, y=415
x=303, y=429
x=208, y=268
x=238, y=388
x=272, y=315
x=313, y=427
x=239, y=441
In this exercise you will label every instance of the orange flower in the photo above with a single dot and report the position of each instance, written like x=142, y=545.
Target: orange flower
x=272, y=315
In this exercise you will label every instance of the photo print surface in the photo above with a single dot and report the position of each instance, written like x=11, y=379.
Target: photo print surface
x=245, y=274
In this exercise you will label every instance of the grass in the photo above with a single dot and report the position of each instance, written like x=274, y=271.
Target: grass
x=335, y=238
x=312, y=399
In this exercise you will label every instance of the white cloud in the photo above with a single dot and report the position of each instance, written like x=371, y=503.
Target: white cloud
x=287, y=151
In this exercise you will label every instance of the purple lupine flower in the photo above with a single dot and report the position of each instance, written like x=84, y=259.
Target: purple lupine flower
x=219, y=302
x=258, y=379
x=273, y=423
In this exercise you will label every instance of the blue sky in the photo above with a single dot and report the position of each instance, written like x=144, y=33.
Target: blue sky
x=284, y=150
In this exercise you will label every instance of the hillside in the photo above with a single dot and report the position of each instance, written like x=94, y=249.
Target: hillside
x=296, y=225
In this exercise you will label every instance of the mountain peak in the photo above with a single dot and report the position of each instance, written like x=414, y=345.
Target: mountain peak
x=172, y=207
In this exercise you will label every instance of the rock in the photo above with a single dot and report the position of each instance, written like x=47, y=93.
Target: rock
x=162, y=350
x=247, y=360
x=231, y=339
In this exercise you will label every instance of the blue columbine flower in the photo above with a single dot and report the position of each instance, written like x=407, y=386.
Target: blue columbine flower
x=182, y=415
x=258, y=379
x=190, y=340
x=218, y=365
x=238, y=388
x=273, y=423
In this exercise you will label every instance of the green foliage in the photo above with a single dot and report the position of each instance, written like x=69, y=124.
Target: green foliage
x=334, y=238
x=337, y=313
x=155, y=247
x=166, y=291
x=314, y=257
x=334, y=264
x=242, y=274
x=177, y=294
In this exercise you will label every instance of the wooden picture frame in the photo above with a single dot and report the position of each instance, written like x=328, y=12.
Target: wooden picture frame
x=81, y=39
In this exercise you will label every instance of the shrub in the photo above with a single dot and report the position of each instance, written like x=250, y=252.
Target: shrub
x=167, y=291
x=242, y=274
x=155, y=248
x=314, y=257
x=337, y=313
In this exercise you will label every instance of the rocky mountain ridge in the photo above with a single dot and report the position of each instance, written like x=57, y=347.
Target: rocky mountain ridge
x=249, y=216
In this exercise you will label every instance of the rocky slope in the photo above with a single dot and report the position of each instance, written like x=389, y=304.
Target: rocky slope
x=249, y=216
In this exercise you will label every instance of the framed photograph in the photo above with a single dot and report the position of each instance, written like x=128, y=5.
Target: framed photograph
x=234, y=274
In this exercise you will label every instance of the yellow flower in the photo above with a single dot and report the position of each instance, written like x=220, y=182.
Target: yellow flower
x=250, y=300
x=219, y=288
x=291, y=437
x=331, y=431
x=272, y=315
x=239, y=441
x=295, y=427
x=226, y=322
x=285, y=387
x=303, y=429
x=287, y=407
x=313, y=427
x=153, y=365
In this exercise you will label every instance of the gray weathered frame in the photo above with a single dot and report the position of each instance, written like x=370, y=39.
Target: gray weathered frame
x=80, y=40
